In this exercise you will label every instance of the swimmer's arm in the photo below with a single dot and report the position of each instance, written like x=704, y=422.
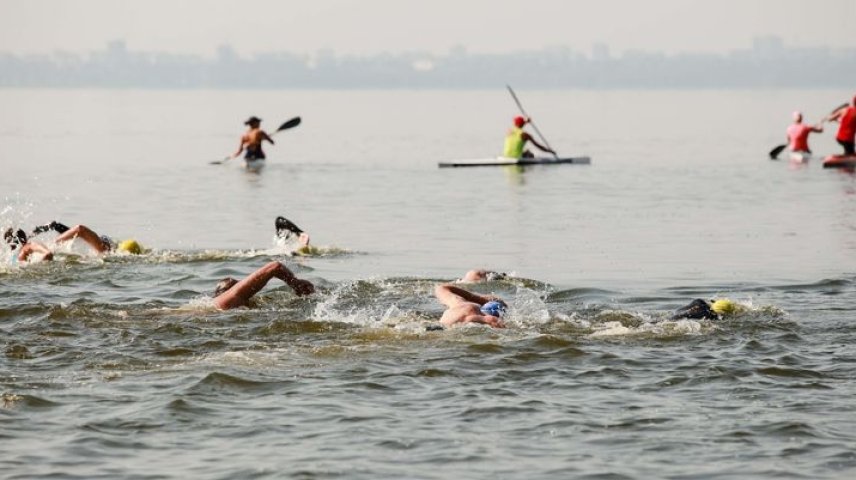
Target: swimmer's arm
x=34, y=247
x=817, y=128
x=239, y=295
x=489, y=320
x=265, y=136
x=447, y=293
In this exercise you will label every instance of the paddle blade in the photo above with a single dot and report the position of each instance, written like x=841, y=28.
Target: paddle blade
x=774, y=153
x=219, y=162
x=289, y=124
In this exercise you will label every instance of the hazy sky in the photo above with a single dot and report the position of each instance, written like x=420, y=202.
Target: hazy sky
x=373, y=26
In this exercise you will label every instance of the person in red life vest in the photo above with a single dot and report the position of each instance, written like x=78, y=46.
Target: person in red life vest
x=846, y=118
x=798, y=133
x=516, y=138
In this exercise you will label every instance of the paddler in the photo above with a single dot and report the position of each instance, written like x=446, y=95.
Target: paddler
x=798, y=133
x=251, y=141
x=515, y=141
x=846, y=118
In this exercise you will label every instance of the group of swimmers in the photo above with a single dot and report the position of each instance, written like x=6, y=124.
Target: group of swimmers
x=798, y=132
x=462, y=306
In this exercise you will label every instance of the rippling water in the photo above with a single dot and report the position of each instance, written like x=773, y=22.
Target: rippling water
x=117, y=367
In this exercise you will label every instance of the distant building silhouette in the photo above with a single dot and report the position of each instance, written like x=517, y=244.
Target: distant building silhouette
x=767, y=63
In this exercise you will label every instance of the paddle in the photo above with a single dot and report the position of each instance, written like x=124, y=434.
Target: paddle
x=285, y=126
x=774, y=153
x=535, y=127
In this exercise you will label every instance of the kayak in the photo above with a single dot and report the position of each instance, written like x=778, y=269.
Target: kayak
x=504, y=161
x=840, y=161
x=254, y=165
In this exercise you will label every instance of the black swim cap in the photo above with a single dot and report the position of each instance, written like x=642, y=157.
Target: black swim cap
x=16, y=239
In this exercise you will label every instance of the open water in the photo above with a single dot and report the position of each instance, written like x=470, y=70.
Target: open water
x=114, y=367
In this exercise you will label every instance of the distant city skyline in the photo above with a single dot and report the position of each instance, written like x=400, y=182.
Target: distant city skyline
x=766, y=62
x=370, y=27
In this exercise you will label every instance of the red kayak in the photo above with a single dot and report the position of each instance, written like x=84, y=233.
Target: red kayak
x=840, y=161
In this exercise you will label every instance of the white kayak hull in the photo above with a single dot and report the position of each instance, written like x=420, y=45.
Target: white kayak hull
x=505, y=161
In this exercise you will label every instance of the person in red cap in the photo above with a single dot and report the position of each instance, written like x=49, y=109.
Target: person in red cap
x=252, y=140
x=846, y=117
x=515, y=141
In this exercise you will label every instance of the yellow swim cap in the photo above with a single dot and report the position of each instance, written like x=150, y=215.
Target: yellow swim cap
x=724, y=306
x=130, y=246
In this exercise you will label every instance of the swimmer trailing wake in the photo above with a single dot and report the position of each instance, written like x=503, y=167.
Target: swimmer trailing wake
x=23, y=247
x=99, y=243
x=700, y=309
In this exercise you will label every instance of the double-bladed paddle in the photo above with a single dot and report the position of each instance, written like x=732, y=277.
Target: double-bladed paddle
x=285, y=126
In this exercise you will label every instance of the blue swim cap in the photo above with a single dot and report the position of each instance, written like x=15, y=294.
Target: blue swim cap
x=493, y=308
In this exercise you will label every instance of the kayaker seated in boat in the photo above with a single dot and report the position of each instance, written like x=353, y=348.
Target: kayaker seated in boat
x=251, y=141
x=516, y=139
x=22, y=248
x=463, y=306
x=286, y=229
x=798, y=133
x=846, y=118
x=231, y=293
x=98, y=243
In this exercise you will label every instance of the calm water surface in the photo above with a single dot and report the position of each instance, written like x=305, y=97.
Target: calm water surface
x=115, y=368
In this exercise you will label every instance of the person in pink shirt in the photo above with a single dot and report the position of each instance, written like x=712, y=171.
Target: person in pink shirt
x=798, y=133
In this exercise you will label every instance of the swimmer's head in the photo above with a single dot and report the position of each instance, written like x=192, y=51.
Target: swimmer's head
x=519, y=122
x=797, y=116
x=253, y=121
x=130, y=246
x=723, y=306
x=224, y=285
x=14, y=238
x=493, y=308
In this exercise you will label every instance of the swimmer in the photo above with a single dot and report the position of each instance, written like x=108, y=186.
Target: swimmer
x=100, y=244
x=285, y=228
x=479, y=275
x=700, y=309
x=463, y=306
x=231, y=293
x=23, y=248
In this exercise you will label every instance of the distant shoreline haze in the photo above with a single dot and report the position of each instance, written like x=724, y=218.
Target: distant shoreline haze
x=766, y=63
